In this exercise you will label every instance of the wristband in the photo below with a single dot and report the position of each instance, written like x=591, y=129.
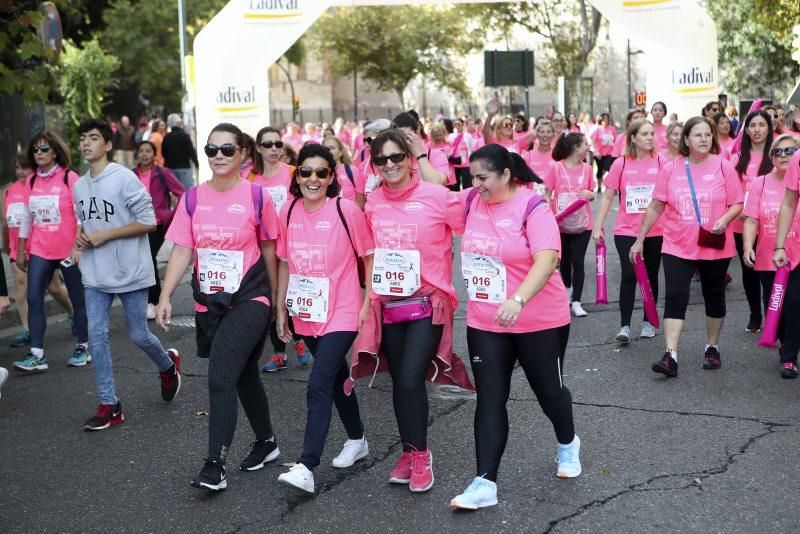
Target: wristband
x=778, y=248
x=423, y=155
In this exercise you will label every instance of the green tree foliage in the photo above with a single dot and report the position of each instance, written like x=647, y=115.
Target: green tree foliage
x=391, y=46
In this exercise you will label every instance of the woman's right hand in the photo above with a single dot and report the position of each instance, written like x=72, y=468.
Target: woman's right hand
x=22, y=262
x=282, y=326
x=597, y=233
x=779, y=258
x=493, y=106
x=164, y=314
x=636, y=248
x=749, y=257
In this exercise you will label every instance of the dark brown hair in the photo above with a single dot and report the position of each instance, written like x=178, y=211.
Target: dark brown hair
x=315, y=150
x=683, y=147
x=55, y=143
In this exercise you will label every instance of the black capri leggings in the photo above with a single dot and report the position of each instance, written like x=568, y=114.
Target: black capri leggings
x=156, y=238
x=678, y=273
x=573, y=252
x=750, y=281
x=627, y=285
x=493, y=355
x=603, y=166
x=409, y=348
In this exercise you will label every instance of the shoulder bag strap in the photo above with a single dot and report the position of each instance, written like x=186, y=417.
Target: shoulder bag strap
x=691, y=189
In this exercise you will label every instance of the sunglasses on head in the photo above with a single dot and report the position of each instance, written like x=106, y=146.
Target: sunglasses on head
x=397, y=157
x=780, y=152
x=44, y=149
x=368, y=140
x=270, y=144
x=321, y=172
x=228, y=150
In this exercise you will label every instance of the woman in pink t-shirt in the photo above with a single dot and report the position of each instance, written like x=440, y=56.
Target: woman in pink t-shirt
x=658, y=112
x=517, y=312
x=321, y=238
x=570, y=180
x=500, y=130
x=346, y=172
x=633, y=177
x=726, y=141
x=699, y=197
x=619, y=142
x=409, y=330
x=762, y=205
x=227, y=229
x=674, y=131
x=539, y=155
x=458, y=157
x=603, y=140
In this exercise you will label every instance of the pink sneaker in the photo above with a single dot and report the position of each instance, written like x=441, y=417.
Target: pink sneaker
x=401, y=474
x=421, y=471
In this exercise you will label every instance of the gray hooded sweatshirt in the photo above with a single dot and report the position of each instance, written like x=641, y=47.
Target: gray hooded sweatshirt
x=114, y=199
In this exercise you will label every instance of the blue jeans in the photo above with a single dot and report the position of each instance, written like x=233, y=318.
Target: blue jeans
x=186, y=176
x=98, y=307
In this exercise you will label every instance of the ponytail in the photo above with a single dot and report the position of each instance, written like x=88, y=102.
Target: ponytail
x=521, y=171
x=496, y=158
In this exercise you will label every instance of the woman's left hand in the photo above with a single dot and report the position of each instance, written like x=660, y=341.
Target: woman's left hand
x=719, y=227
x=507, y=313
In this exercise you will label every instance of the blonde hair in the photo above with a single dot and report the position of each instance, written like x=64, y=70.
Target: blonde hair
x=438, y=133
x=784, y=137
x=342, y=150
x=630, y=133
x=497, y=125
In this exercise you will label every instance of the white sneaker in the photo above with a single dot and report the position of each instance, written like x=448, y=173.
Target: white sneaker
x=624, y=335
x=353, y=451
x=648, y=330
x=577, y=310
x=3, y=376
x=568, y=459
x=151, y=312
x=298, y=477
x=480, y=494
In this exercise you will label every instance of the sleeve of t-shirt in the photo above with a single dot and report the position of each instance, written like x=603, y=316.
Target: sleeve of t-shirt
x=752, y=200
x=281, y=245
x=549, y=178
x=138, y=200
x=359, y=231
x=614, y=176
x=542, y=230
x=662, y=182
x=269, y=221
x=733, y=186
x=180, y=230
x=619, y=146
x=454, y=212
x=439, y=161
x=360, y=179
x=792, y=175
x=589, y=177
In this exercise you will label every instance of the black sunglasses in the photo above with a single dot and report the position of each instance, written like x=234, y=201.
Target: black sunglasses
x=270, y=144
x=228, y=150
x=779, y=152
x=397, y=157
x=44, y=149
x=368, y=140
x=321, y=172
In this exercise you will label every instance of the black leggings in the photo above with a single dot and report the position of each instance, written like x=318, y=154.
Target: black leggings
x=40, y=273
x=603, y=166
x=233, y=369
x=678, y=273
x=409, y=349
x=325, y=388
x=493, y=355
x=789, y=327
x=573, y=252
x=750, y=281
x=627, y=285
x=156, y=238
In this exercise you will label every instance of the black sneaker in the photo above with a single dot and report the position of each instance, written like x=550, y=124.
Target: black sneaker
x=212, y=476
x=754, y=324
x=666, y=366
x=262, y=452
x=713, y=359
x=788, y=370
x=107, y=415
x=171, y=378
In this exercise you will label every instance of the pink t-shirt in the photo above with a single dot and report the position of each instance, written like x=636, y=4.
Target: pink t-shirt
x=666, y=156
x=717, y=187
x=763, y=202
x=539, y=162
x=634, y=180
x=495, y=230
x=348, y=187
x=477, y=142
x=619, y=146
x=425, y=221
x=603, y=138
x=510, y=144
x=462, y=150
x=660, y=137
x=276, y=186
x=14, y=205
x=367, y=178
x=54, y=223
x=749, y=174
x=296, y=140
x=792, y=175
x=224, y=221
x=438, y=158
x=565, y=181
x=726, y=147
x=315, y=244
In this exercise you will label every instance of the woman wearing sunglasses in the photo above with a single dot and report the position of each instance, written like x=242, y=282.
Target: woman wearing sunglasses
x=700, y=195
x=762, y=205
x=321, y=238
x=49, y=223
x=501, y=131
x=346, y=172
x=409, y=328
x=227, y=230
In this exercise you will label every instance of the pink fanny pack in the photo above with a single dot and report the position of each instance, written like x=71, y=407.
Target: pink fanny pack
x=403, y=311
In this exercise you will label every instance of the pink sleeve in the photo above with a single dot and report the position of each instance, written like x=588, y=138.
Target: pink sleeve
x=439, y=161
x=752, y=200
x=72, y=179
x=454, y=212
x=281, y=245
x=793, y=172
x=180, y=230
x=269, y=220
x=733, y=186
x=587, y=170
x=614, y=176
x=550, y=178
x=542, y=230
x=662, y=182
x=359, y=231
x=619, y=146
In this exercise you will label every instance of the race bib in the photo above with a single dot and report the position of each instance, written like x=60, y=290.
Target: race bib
x=565, y=200
x=484, y=277
x=14, y=214
x=307, y=298
x=219, y=270
x=372, y=182
x=638, y=197
x=607, y=139
x=45, y=209
x=539, y=189
x=396, y=272
x=278, y=194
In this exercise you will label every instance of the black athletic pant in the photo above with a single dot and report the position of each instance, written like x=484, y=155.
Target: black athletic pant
x=750, y=281
x=789, y=327
x=40, y=273
x=493, y=356
x=464, y=177
x=325, y=388
x=409, y=349
x=156, y=238
x=233, y=369
x=573, y=252
x=603, y=166
x=651, y=253
x=678, y=273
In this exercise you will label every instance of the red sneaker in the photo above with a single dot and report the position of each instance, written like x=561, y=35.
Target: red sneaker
x=171, y=378
x=107, y=415
x=421, y=471
x=401, y=474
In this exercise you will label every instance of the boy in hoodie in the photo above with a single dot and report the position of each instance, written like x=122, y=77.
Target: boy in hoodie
x=113, y=254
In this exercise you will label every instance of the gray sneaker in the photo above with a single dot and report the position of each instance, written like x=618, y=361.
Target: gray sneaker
x=624, y=335
x=648, y=330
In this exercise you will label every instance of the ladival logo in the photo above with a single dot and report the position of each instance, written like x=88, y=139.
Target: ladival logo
x=693, y=81
x=322, y=225
x=273, y=10
x=503, y=223
x=233, y=99
x=236, y=208
x=414, y=206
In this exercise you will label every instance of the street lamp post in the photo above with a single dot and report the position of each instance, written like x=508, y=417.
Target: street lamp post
x=630, y=89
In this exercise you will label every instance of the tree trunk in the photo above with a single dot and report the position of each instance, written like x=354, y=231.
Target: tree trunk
x=291, y=87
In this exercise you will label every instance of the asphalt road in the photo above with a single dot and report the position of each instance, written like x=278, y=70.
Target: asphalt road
x=710, y=451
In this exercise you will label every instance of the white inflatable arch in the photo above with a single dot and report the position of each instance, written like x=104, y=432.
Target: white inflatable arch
x=233, y=53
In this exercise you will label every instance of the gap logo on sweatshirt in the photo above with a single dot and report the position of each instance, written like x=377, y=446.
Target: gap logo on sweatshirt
x=99, y=209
